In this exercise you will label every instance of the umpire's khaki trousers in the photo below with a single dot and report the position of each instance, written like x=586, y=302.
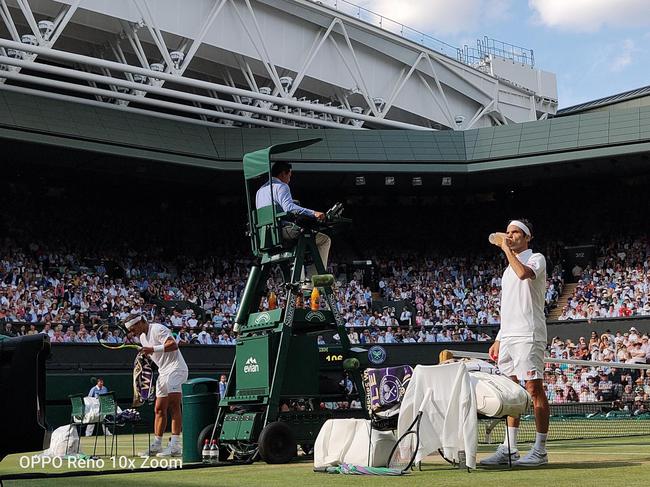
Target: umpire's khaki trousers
x=323, y=244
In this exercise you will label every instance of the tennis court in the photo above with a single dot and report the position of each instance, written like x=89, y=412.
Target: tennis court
x=623, y=461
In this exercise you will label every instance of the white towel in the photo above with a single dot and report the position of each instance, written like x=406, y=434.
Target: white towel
x=449, y=420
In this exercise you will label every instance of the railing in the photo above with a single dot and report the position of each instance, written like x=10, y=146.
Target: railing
x=487, y=47
x=474, y=57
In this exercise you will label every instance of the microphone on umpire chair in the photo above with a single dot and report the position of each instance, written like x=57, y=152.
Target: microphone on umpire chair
x=322, y=280
x=351, y=364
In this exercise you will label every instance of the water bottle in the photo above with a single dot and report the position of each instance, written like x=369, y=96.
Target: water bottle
x=496, y=238
x=315, y=299
x=214, y=452
x=205, y=453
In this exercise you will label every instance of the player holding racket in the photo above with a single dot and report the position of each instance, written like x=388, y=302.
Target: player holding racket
x=521, y=341
x=158, y=342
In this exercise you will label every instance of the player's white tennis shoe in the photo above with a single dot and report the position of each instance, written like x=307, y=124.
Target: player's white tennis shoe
x=533, y=458
x=154, y=449
x=171, y=451
x=500, y=457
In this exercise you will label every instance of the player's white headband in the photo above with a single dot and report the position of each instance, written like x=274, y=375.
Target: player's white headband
x=520, y=225
x=132, y=322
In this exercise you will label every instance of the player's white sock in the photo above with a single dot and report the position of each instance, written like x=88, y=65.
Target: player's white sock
x=512, y=435
x=540, y=441
x=157, y=440
x=176, y=440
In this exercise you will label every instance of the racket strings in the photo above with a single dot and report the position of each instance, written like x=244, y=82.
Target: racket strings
x=404, y=452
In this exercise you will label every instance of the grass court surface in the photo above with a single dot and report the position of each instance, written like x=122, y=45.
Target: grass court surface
x=614, y=461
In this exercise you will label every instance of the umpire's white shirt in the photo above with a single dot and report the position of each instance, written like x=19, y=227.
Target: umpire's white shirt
x=522, y=300
x=167, y=362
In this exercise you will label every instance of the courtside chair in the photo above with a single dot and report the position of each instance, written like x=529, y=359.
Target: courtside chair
x=76, y=417
x=107, y=418
x=384, y=411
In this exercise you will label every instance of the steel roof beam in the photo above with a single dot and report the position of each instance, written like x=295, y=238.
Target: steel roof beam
x=78, y=58
x=191, y=97
x=64, y=85
x=99, y=104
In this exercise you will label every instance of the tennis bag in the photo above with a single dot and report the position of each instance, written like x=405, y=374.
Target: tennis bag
x=498, y=395
x=349, y=440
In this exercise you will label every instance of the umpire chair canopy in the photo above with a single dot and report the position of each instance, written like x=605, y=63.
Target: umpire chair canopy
x=264, y=223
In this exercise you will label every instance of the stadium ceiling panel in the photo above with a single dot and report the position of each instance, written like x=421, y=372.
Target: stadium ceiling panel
x=265, y=63
x=562, y=142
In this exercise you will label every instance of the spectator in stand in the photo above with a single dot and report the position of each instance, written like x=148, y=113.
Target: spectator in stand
x=586, y=395
x=176, y=320
x=204, y=337
x=617, y=286
x=183, y=337
x=572, y=395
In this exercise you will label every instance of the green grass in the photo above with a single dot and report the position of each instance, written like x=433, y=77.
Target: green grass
x=612, y=461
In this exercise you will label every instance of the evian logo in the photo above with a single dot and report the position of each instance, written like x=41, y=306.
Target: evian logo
x=251, y=366
x=262, y=319
x=315, y=316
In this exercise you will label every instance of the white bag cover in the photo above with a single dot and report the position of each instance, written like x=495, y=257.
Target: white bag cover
x=91, y=410
x=346, y=441
x=59, y=439
x=498, y=395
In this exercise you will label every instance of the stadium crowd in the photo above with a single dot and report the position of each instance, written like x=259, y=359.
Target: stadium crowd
x=628, y=387
x=78, y=299
x=618, y=285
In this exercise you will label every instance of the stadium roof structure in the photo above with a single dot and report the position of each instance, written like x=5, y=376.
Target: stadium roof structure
x=605, y=101
x=266, y=63
x=557, y=141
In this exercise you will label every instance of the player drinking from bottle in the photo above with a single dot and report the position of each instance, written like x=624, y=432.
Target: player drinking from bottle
x=158, y=342
x=520, y=344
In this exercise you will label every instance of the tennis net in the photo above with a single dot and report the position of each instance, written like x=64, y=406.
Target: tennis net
x=587, y=399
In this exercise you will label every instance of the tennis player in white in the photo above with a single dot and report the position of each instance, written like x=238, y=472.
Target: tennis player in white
x=158, y=342
x=520, y=344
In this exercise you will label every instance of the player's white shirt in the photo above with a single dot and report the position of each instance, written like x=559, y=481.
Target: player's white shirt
x=167, y=362
x=522, y=301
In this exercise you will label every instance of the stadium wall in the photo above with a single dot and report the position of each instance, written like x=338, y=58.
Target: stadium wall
x=73, y=368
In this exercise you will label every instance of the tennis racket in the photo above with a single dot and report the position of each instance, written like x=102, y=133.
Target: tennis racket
x=403, y=454
x=118, y=346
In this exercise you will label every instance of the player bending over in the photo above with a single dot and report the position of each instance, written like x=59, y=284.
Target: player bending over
x=158, y=342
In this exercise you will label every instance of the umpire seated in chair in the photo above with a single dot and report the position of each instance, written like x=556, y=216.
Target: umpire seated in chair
x=277, y=191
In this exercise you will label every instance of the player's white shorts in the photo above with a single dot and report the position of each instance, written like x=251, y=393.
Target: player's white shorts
x=522, y=357
x=170, y=383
